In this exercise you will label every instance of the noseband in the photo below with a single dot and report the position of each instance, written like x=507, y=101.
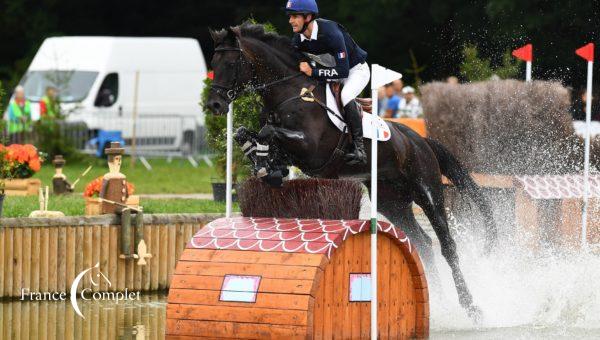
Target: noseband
x=233, y=91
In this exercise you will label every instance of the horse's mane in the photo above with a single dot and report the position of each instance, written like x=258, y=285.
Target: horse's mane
x=280, y=45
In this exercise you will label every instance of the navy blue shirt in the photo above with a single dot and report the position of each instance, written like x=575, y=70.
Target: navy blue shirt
x=331, y=38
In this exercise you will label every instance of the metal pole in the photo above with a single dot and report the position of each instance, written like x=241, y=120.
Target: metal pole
x=134, y=117
x=528, y=71
x=586, y=164
x=229, y=161
x=374, y=214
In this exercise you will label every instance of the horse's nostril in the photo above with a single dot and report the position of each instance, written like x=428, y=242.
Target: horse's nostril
x=216, y=105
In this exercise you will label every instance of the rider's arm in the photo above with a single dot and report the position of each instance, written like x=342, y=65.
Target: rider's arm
x=337, y=46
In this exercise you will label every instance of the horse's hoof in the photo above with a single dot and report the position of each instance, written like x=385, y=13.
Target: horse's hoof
x=262, y=172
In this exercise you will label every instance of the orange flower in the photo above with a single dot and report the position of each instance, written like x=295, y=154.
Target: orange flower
x=35, y=164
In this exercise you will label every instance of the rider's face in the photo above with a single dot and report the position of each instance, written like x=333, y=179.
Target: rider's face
x=297, y=22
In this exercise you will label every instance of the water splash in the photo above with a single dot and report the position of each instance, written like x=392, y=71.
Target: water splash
x=523, y=294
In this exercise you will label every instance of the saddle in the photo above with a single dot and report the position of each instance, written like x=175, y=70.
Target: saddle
x=336, y=89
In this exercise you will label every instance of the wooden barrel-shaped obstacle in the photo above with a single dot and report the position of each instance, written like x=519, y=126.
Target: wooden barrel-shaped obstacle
x=275, y=278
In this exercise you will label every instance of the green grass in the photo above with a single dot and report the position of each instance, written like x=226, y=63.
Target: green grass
x=74, y=205
x=177, y=177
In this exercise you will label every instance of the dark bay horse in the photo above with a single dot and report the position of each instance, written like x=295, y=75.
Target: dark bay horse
x=410, y=166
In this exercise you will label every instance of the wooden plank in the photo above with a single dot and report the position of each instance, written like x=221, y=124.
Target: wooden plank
x=154, y=261
x=263, y=300
x=113, y=258
x=61, y=260
x=394, y=301
x=267, y=285
x=130, y=264
x=337, y=304
x=96, y=248
x=17, y=261
x=238, y=314
x=328, y=303
x=162, y=259
x=383, y=286
x=146, y=269
x=104, y=254
x=87, y=254
x=318, y=316
x=35, y=259
x=78, y=263
x=239, y=330
x=264, y=270
x=239, y=256
x=2, y=267
x=45, y=259
x=348, y=248
x=405, y=275
x=171, y=259
x=70, y=256
x=26, y=264
x=8, y=260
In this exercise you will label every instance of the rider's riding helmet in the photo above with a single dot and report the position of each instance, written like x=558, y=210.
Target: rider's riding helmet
x=304, y=7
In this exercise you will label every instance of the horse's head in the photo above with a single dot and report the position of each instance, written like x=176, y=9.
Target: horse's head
x=232, y=70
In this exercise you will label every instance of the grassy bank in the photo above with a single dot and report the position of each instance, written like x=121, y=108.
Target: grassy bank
x=176, y=177
x=74, y=206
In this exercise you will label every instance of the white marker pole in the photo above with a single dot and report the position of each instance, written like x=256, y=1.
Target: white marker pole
x=229, y=178
x=528, y=71
x=374, y=97
x=586, y=164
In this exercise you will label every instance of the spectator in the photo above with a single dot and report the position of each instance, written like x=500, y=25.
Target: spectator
x=381, y=101
x=578, y=107
x=49, y=107
x=410, y=106
x=392, y=101
x=398, y=85
x=19, y=114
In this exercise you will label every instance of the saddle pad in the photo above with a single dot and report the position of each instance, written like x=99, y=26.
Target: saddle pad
x=332, y=105
x=368, y=120
x=374, y=124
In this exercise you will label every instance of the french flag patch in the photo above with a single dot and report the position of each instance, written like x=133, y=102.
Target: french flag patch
x=342, y=55
x=289, y=4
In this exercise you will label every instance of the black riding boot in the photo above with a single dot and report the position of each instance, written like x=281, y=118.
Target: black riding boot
x=354, y=121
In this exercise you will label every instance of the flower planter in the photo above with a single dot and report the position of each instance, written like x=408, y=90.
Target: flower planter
x=22, y=187
x=93, y=206
x=220, y=192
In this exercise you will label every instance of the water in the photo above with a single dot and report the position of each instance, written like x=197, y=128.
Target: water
x=523, y=294
x=143, y=319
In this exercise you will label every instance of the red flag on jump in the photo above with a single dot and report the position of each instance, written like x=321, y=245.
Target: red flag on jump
x=586, y=52
x=211, y=75
x=524, y=53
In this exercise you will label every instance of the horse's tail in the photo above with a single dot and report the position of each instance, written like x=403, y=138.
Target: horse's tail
x=456, y=172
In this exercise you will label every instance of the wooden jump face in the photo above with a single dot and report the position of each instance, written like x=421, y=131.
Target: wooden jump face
x=306, y=273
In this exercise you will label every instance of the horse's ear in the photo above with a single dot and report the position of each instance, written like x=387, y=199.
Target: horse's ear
x=218, y=36
x=213, y=34
x=235, y=31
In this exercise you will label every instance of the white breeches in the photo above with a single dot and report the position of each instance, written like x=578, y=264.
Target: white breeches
x=357, y=80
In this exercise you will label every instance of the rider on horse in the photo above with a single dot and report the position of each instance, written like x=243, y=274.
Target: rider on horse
x=321, y=36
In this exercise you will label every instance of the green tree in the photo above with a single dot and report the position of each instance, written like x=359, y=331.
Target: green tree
x=476, y=68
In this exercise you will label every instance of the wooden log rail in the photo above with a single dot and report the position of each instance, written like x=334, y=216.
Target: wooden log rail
x=45, y=255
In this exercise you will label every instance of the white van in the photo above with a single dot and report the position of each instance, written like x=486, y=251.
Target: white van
x=96, y=80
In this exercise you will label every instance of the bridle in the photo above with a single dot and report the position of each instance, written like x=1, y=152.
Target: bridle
x=232, y=92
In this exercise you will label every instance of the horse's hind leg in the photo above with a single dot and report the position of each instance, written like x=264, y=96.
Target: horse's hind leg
x=430, y=198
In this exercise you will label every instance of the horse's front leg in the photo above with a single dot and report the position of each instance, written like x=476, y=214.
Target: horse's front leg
x=286, y=139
